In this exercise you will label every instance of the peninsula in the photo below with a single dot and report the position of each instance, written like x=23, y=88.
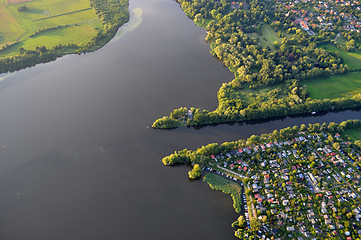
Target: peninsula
x=33, y=32
x=300, y=182
x=288, y=58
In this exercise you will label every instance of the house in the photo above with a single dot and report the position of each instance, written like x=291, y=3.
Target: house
x=190, y=114
x=290, y=229
x=255, y=187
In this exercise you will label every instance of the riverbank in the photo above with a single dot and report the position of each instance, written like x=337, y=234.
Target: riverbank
x=272, y=76
x=63, y=31
x=292, y=177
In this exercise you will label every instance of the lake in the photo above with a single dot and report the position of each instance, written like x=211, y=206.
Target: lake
x=79, y=149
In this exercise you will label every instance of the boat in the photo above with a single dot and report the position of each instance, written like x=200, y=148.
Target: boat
x=313, y=113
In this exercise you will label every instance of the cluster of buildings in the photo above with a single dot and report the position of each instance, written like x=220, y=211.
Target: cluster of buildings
x=324, y=14
x=306, y=187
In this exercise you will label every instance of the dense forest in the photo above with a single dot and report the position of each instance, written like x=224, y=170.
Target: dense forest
x=269, y=76
x=112, y=14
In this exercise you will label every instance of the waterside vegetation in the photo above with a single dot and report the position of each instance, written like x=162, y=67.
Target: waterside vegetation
x=226, y=186
x=283, y=56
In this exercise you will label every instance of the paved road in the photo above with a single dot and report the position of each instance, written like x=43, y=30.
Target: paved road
x=225, y=169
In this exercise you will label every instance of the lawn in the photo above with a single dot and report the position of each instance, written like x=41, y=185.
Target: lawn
x=352, y=59
x=335, y=86
x=341, y=40
x=81, y=23
x=355, y=133
x=269, y=36
x=226, y=186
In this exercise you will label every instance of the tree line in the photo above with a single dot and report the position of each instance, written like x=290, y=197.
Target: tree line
x=202, y=154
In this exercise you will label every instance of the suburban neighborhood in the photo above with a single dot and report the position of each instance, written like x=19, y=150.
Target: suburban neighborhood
x=298, y=183
x=300, y=187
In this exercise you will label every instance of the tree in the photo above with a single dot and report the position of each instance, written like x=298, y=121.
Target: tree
x=357, y=144
x=295, y=128
x=312, y=165
x=276, y=44
x=22, y=50
x=241, y=221
x=254, y=138
x=195, y=172
x=336, y=145
x=350, y=45
x=22, y=8
x=255, y=224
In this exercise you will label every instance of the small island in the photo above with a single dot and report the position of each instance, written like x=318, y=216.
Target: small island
x=300, y=182
x=33, y=32
x=288, y=58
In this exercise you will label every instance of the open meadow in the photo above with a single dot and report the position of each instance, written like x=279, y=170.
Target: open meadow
x=355, y=133
x=10, y=29
x=352, y=59
x=46, y=23
x=335, y=86
x=268, y=37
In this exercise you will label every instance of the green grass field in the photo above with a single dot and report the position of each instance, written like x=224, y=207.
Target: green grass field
x=10, y=29
x=355, y=134
x=81, y=24
x=335, y=86
x=67, y=35
x=226, y=186
x=341, y=40
x=352, y=59
x=269, y=36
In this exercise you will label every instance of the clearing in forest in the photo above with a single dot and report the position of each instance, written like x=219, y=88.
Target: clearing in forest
x=354, y=133
x=269, y=36
x=352, y=59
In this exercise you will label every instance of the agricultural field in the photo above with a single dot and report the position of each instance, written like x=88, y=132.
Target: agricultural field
x=64, y=21
x=10, y=29
x=335, y=86
x=352, y=59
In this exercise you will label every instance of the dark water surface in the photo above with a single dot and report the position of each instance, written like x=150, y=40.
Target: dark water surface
x=78, y=149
